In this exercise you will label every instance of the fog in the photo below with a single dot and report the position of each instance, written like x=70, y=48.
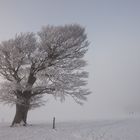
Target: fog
x=113, y=58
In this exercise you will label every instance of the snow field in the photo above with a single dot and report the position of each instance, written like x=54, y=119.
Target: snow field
x=98, y=130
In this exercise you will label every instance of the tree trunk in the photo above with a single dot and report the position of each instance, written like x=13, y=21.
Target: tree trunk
x=23, y=108
x=21, y=115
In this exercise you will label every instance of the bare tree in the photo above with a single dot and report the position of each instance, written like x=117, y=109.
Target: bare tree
x=49, y=62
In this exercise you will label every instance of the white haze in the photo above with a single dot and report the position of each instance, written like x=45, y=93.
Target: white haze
x=114, y=61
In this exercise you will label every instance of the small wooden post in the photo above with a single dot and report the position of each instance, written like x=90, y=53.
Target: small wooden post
x=53, y=122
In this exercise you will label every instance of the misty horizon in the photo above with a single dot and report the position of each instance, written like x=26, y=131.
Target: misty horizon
x=113, y=57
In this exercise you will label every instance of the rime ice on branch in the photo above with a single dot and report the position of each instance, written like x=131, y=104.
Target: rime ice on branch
x=49, y=62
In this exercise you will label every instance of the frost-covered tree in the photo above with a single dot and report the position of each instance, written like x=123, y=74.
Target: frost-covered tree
x=47, y=63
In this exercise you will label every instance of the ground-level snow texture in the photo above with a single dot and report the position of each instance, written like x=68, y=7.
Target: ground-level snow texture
x=101, y=130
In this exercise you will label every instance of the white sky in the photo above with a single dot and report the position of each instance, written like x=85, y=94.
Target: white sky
x=114, y=55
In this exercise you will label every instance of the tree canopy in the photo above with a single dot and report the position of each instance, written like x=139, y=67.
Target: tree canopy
x=49, y=62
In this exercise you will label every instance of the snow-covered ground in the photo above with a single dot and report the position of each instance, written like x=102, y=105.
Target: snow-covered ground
x=128, y=129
